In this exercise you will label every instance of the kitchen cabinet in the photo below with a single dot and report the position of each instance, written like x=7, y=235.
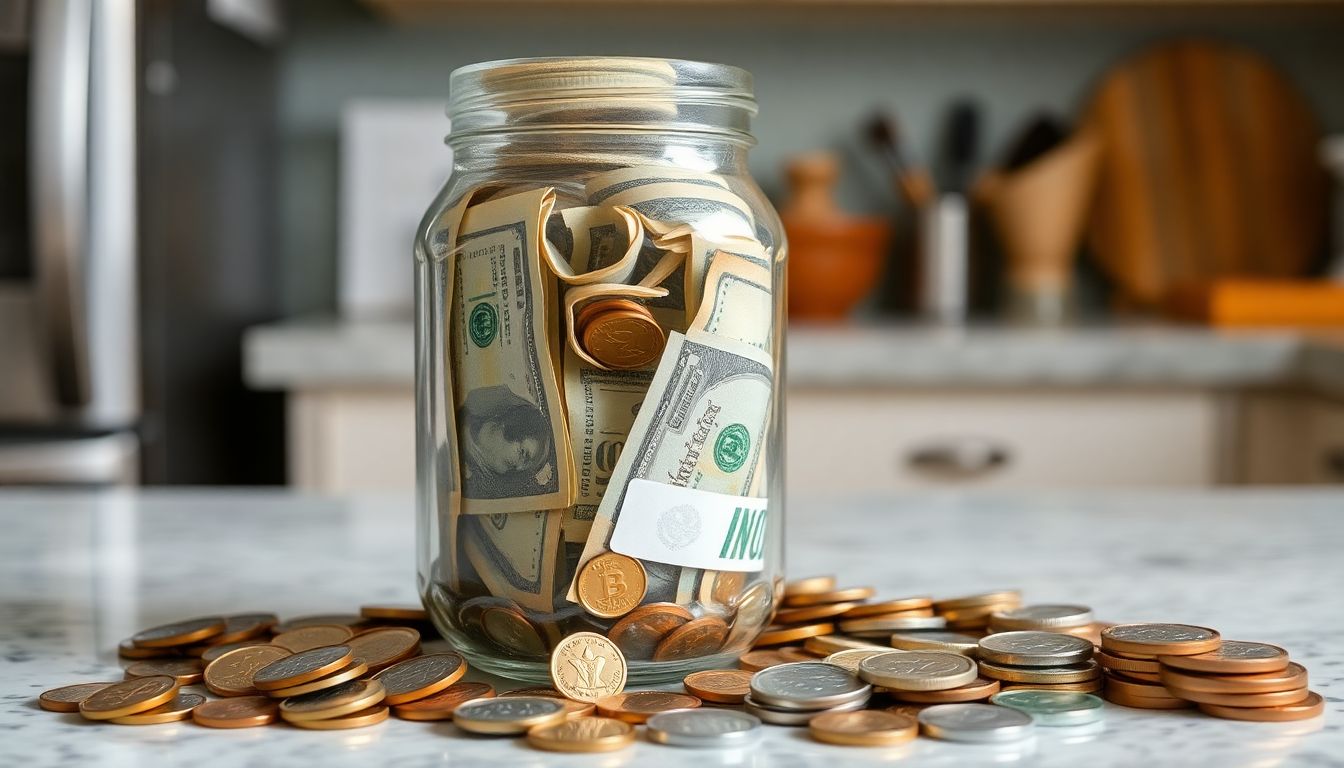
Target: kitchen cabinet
x=1289, y=439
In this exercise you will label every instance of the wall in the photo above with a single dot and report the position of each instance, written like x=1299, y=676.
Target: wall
x=818, y=73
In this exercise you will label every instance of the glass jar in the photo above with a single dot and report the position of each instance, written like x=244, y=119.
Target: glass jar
x=600, y=294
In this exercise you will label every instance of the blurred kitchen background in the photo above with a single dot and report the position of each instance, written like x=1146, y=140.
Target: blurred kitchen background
x=1049, y=243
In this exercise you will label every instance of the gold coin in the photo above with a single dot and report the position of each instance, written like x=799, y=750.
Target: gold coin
x=776, y=635
x=400, y=612
x=595, y=308
x=981, y=688
x=67, y=698
x=586, y=666
x=244, y=626
x=825, y=645
x=355, y=670
x=639, y=706
x=696, y=638
x=1232, y=657
x=184, y=671
x=180, y=633
x=872, y=728
x=232, y=673
x=755, y=661
x=638, y=632
x=509, y=715
x=811, y=585
x=129, y=697
x=215, y=651
x=1064, y=673
x=936, y=640
x=241, y=712
x=381, y=648
x=1274, y=699
x=129, y=650
x=977, y=615
x=1311, y=706
x=624, y=339
x=901, y=606
x=343, y=699
x=316, y=636
x=849, y=659
x=1087, y=686
x=511, y=631
x=347, y=619
x=1126, y=665
x=360, y=719
x=590, y=734
x=440, y=706
x=1160, y=639
x=421, y=677
x=848, y=595
x=720, y=686
x=983, y=599
x=177, y=708
x=813, y=613
x=611, y=585
x=296, y=669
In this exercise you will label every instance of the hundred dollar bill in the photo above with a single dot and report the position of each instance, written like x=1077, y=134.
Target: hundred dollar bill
x=718, y=213
x=700, y=427
x=604, y=185
x=594, y=244
x=511, y=430
x=700, y=251
x=514, y=554
x=737, y=301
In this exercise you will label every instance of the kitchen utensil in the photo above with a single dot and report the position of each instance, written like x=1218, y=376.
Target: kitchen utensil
x=914, y=184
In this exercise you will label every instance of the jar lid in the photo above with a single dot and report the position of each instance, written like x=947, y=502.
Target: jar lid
x=600, y=92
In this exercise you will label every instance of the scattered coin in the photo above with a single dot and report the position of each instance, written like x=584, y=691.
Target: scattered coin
x=781, y=716
x=884, y=625
x=534, y=691
x=241, y=712
x=315, y=636
x=979, y=723
x=180, y=633
x=1065, y=673
x=440, y=706
x=245, y=626
x=232, y=674
x=344, y=699
x=1052, y=708
x=508, y=714
x=611, y=585
x=1042, y=617
x=901, y=605
x=586, y=666
x=381, y=648
x=624, y=339
x=850, y=659
x=811, y=585
x=184, y=671
x=1232, y=657
x=68, y=697
x=360, y=719
x=638, y=706
x=776, y=635
x=872, y=728
x=795, y=653
x=814, y=613
x=1311, y=706
x=1160, y=639
x=1034, y=649
x=128, y=697
x=755, y=661
x=347, y=619
x=511, y=631
x=979, y=689
x=850, y=595
x=421, y=676
x=704, y=728
x=398, y=612
x=719, y=686
x=808, y=685
x=355, y=670
x=638, y=633
x=826, y=645
x=129, y=650
x=696, y=638
x=918, y=670
x=590, y=734
x=177, y=708
x=753, y=610
x=298, y=668
x=937, y=640
x=215, y=651
x=980, y=600
x=1290, y=678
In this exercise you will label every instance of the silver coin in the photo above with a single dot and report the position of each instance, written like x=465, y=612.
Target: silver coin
x=1241, y=649
x=776, y=716
x=807, y=685
x=1050, y=616
x=1160, y=633
x=508, y=708
x=1052, y=708
x=850, y=659
x=887, y=624
x=1034, y=649
x=918, y=670
x=935, y=640
x=704, y=728
x=983, y=723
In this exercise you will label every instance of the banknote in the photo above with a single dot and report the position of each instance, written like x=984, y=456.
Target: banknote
x=582, y=294
x=515, y=554
x=511, y=431
x=604, y=185
x=701, y=426
x=594, y=244
x=737, y=302
x=717, y=213
x=700, y=250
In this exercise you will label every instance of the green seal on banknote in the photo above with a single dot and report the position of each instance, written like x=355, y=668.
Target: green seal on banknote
x=483, y=324
x=732, y=448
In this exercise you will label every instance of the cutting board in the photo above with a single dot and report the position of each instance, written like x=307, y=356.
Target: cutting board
x=1209, y=169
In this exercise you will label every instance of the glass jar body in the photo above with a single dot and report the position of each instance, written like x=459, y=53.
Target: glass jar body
x=512, y=524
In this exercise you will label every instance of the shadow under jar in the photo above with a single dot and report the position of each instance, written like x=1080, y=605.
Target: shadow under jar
x=600, y=294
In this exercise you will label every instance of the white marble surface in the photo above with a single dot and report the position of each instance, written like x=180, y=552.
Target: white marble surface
x=78, y=572
x=328, y=353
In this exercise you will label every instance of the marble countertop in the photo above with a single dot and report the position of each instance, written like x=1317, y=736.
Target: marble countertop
x=319, y=353
x=79, y=571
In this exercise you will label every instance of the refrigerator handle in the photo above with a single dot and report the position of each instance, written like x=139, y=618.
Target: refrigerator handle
x=59, y=180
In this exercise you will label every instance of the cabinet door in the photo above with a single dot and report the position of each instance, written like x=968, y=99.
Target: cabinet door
x=875, y=440
x=352, y=440
x=1325, y=459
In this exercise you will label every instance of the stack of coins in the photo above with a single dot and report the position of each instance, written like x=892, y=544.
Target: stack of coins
x=926, y=677
x=1074, y=620
x=1129, y=654
x=971, y=613
x=1242, y=681
x=1050, y=660
x=792, y=694
x=619, y=333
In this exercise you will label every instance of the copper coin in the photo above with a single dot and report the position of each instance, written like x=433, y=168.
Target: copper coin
x=872, y=728
x=344, y=699
x=699, y=637
x=611, y=585
x=595, y=308
x=1275, y=699
x=796, y=653
x=184, y=671
x=850, y=595
x=1232, y=657
x=241, y=712
x=549, y=693
x=982, y=688
x=399, y=612
x=720, y=686
x=67, y=698
x=1311, y=706
x=753, y=612
x=299, y=668
x=809, y=586
x=180, y=633
x=980, y=600
x=755, y=661
x=977, y=615
x=1144, y=702
x=245, y=626
x=639, y=706
x=1160, y=639
x=590, y=734
x=1126, y=665
x=892, y=606
x=421, y=677
x=215, y=651
x=638, y=632
x=360, y=719
x=1064, y=673
x=825, y=645
x=315, y=636
x=129, y=650
x=440, y=706
x=129, y=697
x=356, y=669
x=298, y=622
x=1147, y=677
x=623, y=339
x=776, y=635
x=175, y=709
x=232, y=673
x=511, y=631
x=381, y=648
x=1086, y=686
x=1136, y=689
x=813, y=612
x=726, y=587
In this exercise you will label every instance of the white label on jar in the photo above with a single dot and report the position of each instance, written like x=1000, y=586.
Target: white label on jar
x=691, y=528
